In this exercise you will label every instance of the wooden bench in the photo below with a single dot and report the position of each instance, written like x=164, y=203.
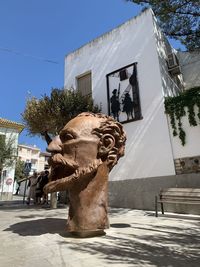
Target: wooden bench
x=177, y=196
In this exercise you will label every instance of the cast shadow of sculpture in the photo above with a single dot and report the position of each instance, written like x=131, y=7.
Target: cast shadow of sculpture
x=38, y=227
x=83, y=154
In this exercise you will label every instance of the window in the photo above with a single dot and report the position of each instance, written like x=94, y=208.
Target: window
x=84, y=84
x=123, y=94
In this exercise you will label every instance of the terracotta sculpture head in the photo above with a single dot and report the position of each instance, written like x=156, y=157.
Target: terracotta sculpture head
x=83, y=154
x=83, y=144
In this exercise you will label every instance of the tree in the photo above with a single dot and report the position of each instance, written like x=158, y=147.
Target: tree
x=47, y=116
x=179, y=19
x=19, y=170
x=7, y=152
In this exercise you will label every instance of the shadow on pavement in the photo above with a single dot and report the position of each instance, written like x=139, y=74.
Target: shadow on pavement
x=18, y=205
x=161, y=250
x=180, y=216
x=38, y=227
x=120, y=225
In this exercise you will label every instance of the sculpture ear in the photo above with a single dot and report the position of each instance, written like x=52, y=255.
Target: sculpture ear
x=107, y=142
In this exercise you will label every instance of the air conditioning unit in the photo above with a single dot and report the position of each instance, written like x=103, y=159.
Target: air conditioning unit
x=173, y=64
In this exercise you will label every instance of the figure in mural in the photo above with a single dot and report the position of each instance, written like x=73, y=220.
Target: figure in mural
x=128, y=106
x=83, y=154
x=115, y=104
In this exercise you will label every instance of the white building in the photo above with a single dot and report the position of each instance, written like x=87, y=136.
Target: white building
x=10, y=131
x=136, y=58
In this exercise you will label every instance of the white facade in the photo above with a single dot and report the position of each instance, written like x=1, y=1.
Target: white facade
x=11, y=131
x=134, y=41
x=150, y=151
x=190, y=67
x=192, y=147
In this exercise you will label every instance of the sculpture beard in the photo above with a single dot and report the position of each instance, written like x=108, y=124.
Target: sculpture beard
x=65, y=172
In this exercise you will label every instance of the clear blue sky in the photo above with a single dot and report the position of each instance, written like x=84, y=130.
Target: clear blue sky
x=35, y=36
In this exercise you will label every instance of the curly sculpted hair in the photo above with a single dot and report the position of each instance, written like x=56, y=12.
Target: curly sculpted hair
x=109, y=126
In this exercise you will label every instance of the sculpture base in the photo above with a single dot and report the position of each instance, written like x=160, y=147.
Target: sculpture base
x=84, y=234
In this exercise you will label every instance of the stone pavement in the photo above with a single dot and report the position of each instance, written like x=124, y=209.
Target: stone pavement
x=33, y=236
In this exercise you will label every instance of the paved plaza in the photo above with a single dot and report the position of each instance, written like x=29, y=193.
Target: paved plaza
x=35, y=237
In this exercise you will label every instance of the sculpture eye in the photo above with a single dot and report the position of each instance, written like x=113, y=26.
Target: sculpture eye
x=66, y=137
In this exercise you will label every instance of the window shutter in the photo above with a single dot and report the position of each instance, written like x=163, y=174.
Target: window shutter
x=84, y=84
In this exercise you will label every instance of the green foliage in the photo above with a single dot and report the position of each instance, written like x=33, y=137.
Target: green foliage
x=180, y=106
x=7, y=152
x=50, y=113
x=19, y=170
x=179, y=19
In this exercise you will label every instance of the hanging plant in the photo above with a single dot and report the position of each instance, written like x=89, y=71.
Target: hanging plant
x=180, y=106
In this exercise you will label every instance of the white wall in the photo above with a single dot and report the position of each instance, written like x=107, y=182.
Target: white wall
x=169, y=83
x=190, y=66
x=148, y=149
x=192, y=146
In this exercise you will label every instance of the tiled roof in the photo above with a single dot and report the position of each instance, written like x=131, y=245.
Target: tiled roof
x=11, y=124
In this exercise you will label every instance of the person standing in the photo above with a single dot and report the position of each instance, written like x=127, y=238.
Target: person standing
x=32, y=192
x=43, y=181
x=18, y=187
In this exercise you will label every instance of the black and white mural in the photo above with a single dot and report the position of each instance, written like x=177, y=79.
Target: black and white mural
x=123, y=94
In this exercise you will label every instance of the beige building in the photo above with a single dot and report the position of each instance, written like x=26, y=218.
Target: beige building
x=32, y=154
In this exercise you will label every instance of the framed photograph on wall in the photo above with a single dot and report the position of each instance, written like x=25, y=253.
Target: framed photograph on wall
x=123, y=94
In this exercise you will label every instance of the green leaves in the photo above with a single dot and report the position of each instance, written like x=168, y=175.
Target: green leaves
x=50, y=113
x=180, y=106
x=7, y=152
x=19, y=170
x=179, y=19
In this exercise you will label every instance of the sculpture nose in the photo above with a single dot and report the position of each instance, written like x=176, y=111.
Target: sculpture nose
x=55, y=145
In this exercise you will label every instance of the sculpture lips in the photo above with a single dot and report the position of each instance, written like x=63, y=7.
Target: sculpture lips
x=59, y=172
x=58, y=159
x=61, y=167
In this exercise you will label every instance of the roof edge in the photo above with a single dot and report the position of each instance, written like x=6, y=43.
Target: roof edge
x=101, y=35
x=11, y=125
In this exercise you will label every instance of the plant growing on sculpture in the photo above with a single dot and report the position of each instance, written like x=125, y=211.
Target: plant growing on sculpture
x=47, y=116
x=186, y=104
